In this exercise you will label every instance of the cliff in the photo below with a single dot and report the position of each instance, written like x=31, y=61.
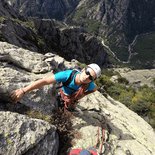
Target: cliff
x=44, y=36
x=116, y=22
x=124, y=131
x=8, y=11
x=48, y=9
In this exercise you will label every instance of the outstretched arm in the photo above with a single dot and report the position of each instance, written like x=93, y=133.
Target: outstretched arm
x=16, y=95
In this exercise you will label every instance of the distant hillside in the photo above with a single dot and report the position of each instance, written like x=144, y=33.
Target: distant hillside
x=143, y=51
x=53, y=9
x=116, y=22
x=46, y=35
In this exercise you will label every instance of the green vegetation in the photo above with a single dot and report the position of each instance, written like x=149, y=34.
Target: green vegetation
x=80, y=13
x=93, y=26
x=2, y=19
x=153, y=81
x=144, y=49
x=81, y=17
x=39, y=115
x=140, y=100
x=81, y=65
x=117, y=44
x=28, y=23
x=63, y=123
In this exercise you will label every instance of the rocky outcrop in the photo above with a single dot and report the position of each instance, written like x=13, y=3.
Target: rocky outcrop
x=28, y=66
x=137, y=77
x=72, y=42
x=19, y=134
x=6, y=10
x=124, y=132
x=15, y=32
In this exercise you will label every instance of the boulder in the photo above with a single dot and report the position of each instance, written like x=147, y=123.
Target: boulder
x=20, y=134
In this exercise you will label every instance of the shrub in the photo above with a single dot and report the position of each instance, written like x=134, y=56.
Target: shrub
x=141, y=100
x=153, y=81
x=2, y=19
x=39, y=115
x=123, y=80
x=152, y=115
x=141, y=107
x=104, y=80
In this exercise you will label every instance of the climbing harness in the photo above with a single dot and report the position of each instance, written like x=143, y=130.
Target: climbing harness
x=69, y=101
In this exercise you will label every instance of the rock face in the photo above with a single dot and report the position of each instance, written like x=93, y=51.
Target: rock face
x=124, y=132
x=19, y=134
x=6, y=10
x=44, y=8
x=72, y=42
x=20, y=35
x=28, y=66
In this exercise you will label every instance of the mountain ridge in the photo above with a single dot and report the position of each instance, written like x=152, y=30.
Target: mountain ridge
x=116, y=22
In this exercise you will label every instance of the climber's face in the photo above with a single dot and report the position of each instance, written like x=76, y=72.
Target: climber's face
x=87, y=75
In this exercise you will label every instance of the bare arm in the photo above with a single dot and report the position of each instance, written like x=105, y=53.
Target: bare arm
x=16, y=95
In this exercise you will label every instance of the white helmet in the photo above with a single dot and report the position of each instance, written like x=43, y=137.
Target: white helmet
x=96, y=69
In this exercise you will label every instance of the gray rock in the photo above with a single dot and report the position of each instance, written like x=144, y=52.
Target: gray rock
x=6, y=10
x=15, y=32
x=45, y=9
x=20, y=67
x=32, y=62
x=124, y=131
x=72, y=42
x=20, y=133
x=138, y=77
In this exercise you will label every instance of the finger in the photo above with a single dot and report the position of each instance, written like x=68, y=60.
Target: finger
x=13, y=93
x=13, y=97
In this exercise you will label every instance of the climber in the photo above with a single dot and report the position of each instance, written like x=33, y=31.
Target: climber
x=75, y=84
